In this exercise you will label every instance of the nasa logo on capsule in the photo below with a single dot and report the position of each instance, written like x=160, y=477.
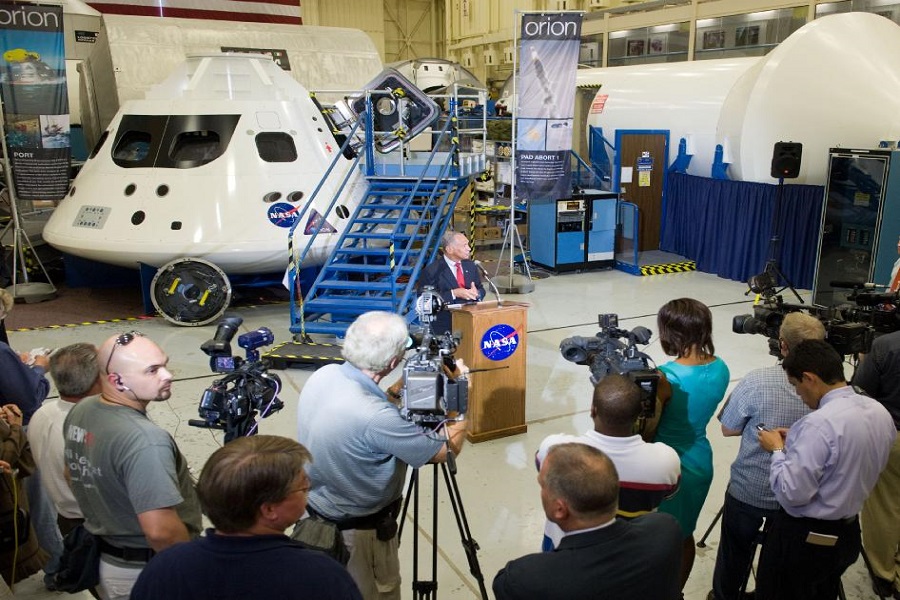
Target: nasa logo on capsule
x=499, y=342
x=282, y=214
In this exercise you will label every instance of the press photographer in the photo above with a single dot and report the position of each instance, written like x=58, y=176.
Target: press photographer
x=362, y=446
x=247, y=390
x=763, y=396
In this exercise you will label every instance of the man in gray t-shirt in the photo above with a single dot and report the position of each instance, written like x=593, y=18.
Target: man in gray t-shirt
x=127, y=473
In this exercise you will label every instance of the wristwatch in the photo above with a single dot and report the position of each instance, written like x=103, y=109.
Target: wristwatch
x=778, y=449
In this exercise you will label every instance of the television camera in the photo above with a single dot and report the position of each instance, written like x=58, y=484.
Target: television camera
x=850, y=328
x=247, y=389
x=432, y=390
x=606, y=353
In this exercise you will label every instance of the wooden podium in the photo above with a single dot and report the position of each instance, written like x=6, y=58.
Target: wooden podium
x=494, y=339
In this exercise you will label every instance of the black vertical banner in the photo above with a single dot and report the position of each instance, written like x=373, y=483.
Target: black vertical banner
x=548, y=59
x=35, y=104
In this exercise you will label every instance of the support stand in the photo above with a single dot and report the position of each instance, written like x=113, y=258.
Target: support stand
x=702, y=542
x=772, y=275
x=28, y=290
x=511, y=239
x=427, y=589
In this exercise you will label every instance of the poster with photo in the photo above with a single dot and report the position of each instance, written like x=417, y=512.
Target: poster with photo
x=548, y=52
x=713, y=40
x=635, y=48
x=746, y=36
x=35, y=101
x=657, y=45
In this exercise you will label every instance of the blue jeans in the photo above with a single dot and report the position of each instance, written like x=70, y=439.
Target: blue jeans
x=740, y=524
x=43, y=519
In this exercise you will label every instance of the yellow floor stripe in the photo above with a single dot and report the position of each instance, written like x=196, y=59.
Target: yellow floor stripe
x=84, y=323
x=679, y=267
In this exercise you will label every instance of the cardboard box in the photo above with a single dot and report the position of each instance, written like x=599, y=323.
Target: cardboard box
x=488, y=233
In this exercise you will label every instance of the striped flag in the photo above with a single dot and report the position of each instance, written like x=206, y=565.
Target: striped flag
x=256, y=11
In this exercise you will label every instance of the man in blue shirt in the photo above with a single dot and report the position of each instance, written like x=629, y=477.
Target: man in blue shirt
x=362, y=447
x=251, y=489
x=763, y=396
x=821, y=472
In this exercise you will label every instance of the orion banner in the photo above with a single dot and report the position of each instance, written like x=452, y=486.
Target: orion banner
x=35, y=103
x=548, y=59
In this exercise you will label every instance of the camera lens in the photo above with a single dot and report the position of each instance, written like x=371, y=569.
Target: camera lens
x=573, y=349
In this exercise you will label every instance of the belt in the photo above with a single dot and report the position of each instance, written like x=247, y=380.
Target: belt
x=833, y=522
x=129, y=554
x=364, y=522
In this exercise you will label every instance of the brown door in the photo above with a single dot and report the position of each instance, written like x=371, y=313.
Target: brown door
x=645, y=155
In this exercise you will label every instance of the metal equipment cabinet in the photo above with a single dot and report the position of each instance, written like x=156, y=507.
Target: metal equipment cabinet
x=574, y=233
x=860, y=222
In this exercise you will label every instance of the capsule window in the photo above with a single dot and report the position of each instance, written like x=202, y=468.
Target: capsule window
x=275, y=146
x=195, y=148
x=133, y=147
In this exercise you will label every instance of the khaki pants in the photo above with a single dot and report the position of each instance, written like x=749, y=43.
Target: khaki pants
x=116, y=581
x=374, y=565
x=880, y=521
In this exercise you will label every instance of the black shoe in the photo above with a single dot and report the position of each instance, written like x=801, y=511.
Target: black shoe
x=884, y=588
x=50, y=582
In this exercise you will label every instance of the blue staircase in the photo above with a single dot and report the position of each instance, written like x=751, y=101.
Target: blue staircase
x=392, y=234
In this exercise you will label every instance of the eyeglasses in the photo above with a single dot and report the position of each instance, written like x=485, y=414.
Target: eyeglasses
x=122, y=340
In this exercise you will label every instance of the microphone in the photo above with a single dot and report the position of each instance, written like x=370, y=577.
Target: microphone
x=853, y=285
x=491, y=283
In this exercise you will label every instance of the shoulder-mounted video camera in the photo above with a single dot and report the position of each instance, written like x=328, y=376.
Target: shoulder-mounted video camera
x=606, y=353
x=247, y=389
x=849, y=328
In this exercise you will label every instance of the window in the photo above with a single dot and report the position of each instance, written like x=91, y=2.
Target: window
x=133, y=147
x=196, y=147
x=276, y=147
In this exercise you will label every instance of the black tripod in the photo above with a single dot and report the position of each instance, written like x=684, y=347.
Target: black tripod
x=758, y=541
x=771, y=276
x=427, y=589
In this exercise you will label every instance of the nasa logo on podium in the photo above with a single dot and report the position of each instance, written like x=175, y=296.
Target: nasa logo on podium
x=499, y=342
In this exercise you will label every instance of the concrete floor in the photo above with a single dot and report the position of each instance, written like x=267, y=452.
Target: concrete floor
x=497, y=479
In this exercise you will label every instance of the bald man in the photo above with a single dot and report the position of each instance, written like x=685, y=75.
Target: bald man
x=130, y=479
x=599, y=556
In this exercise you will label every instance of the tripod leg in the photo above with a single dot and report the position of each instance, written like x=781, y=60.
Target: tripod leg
x=702, y=542
x=469, y=544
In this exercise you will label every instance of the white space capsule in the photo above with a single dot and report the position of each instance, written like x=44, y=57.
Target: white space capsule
x=834, y=82
x=213, y=164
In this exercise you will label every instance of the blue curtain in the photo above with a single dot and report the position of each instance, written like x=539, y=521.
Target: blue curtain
x=726, y=226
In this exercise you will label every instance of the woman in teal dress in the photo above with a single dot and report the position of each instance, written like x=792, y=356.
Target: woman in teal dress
x=698, y=379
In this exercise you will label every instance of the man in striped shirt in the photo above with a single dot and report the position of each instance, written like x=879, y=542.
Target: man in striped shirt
x=648, y=472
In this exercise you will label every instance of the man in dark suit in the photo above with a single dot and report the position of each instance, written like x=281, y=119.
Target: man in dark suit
x=453, y=276
x=600, y=556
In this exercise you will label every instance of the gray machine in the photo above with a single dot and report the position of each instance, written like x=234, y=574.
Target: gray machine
x=858, y=243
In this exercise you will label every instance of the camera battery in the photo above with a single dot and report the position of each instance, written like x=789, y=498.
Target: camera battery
x=423, y=391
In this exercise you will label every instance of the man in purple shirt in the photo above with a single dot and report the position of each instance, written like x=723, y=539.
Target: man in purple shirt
x=821, y=472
